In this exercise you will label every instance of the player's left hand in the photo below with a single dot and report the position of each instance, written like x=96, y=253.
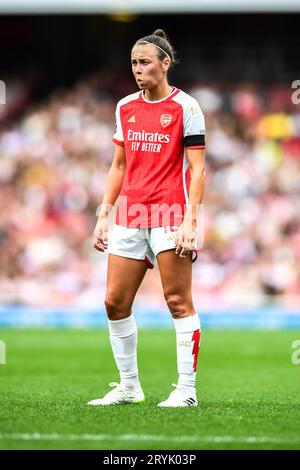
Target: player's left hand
x=185, y=238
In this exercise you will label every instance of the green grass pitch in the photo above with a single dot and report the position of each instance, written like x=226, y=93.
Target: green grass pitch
x=248, y=392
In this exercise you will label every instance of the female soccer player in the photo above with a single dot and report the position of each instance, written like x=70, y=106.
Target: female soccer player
x=158, y=173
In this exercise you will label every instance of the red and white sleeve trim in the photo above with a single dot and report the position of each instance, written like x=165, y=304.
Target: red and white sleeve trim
x=196, y=147
x=118, y=142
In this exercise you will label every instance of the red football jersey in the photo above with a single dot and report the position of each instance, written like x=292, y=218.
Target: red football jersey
x=155, y=135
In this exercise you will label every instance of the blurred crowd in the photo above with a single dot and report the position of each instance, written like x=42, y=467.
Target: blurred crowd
x=54, y=161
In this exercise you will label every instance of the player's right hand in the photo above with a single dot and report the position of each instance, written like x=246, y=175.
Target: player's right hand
x=100, y=235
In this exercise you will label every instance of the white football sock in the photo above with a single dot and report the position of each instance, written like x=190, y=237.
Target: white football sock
x=188, y=335
x=123, y=339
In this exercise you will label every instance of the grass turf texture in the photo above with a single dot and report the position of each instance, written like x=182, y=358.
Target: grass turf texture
x=248, y=392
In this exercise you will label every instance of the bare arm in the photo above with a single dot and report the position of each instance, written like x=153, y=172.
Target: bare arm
x=114, y=181
x=196, y=160
x=187, y=231
x=112, y=190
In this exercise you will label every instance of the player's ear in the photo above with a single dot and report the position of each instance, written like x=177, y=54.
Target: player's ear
x=165, y=64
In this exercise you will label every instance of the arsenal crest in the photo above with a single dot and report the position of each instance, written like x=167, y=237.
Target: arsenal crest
x=165, y=119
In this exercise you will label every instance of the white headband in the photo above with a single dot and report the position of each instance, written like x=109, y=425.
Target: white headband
x=148, y=42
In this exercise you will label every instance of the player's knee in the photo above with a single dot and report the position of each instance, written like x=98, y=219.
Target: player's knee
x=115, y=308
x=176, y=305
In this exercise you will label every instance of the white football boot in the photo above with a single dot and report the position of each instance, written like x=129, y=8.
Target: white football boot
x=181, y=396
x=119, y=396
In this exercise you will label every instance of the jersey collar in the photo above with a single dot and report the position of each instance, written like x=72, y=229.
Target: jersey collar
x=173, y=92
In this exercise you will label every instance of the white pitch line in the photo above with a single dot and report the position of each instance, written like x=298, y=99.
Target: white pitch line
x=150, y=437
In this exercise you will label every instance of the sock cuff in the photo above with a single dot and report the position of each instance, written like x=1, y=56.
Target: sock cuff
x=122, y=328
x=187, y=324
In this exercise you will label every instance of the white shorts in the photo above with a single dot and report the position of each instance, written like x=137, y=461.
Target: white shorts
x=143, y=243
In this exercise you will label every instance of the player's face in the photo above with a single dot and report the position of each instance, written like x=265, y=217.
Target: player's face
x=147, y=68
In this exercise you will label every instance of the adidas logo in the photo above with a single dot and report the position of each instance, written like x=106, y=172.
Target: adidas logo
x=132, y=119
x=190, y=401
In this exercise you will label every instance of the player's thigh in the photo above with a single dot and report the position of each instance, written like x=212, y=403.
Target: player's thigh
x=176, y=274
x=124, y=276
